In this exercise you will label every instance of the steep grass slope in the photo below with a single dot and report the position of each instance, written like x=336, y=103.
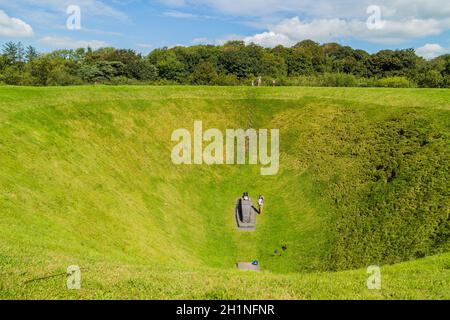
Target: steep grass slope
x=86, y=178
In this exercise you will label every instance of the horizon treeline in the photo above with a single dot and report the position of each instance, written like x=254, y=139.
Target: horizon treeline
x=235, y=63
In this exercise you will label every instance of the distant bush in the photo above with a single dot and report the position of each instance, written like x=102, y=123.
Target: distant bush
x=12, y=76
x=204, y=74
x=337, y=80
x=143, y=70
x=431, y=79
x=328, y=80
x=446, y=81
x=61, y=77
x=395, y=82
x=165, y=82
x=227, y=80
x=367, y=82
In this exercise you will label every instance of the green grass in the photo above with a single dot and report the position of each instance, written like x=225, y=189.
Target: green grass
x=86, y=178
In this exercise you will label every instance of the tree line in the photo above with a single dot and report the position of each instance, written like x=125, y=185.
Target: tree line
x=233, y=63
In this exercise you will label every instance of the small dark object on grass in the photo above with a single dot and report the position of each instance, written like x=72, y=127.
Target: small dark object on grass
x=284, y=247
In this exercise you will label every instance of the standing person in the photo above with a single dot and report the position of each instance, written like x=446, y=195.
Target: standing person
x=259, y=81
x=260, y=204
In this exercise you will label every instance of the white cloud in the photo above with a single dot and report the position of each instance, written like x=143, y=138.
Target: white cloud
x=185, y=15
x=69, y=43
x=197, y=41
x=270, y=39
x=258, y=8
x=431, y=50
x=325, y=20
x=419, y=9
x=13, y=27
x=319, y=30
x=313, y=9
x=176, y=45
x=395, y=31
x=293, y=30
x=101, y=32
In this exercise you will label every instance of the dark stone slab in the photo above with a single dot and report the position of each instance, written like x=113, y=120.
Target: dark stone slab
x=245, y=215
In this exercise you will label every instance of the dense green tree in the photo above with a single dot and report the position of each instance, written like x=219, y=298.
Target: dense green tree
x=31, y=53
x=12, y=75
x=387, y=63
x=3, y=62
x=346, y=60
x=314, y=53
x=431, y=79
x=204, y=74
x=235, y=62
x=40, y=68
x=234, y=59
x=168, y=65
x=273, y=65
x=446, y=70
x=10, y=52
x=90, y=73
x=299, y=63
x=142, y=69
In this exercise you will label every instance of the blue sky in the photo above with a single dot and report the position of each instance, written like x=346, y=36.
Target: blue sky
x=147, y=24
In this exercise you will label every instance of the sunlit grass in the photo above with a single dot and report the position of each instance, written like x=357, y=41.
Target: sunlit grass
x=86, y=178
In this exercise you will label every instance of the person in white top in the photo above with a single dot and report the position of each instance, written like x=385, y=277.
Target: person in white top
x=260, y=203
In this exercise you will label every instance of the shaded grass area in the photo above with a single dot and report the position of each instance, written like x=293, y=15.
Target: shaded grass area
x=87, y=179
